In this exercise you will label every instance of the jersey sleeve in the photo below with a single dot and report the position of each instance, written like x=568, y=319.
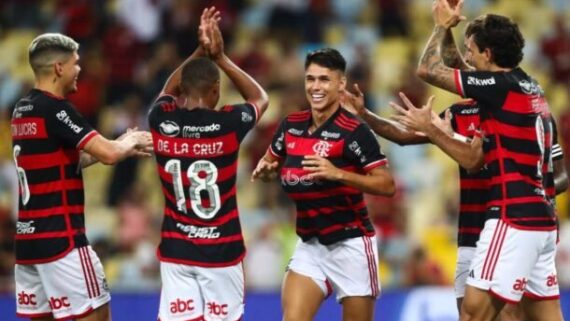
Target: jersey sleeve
x=363, y=150
x=556, y=149
x=488, y=88
x=69, y=126
x=277, y=147
x=244, y=117
x=162, y=103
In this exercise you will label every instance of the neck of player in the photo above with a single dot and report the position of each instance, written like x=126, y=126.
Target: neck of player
x=51, y=86
x=320, y=115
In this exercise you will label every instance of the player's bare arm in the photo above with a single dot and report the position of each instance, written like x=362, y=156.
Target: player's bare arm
x=560, y=176
x=212, y=41
x=378, y=181
x=432, y=67
x=450, y=53
x=468, y=154
x=387, y=128
x=110, y=152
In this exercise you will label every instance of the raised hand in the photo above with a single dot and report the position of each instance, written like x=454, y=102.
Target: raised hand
x=446, y=16
x=265, y=170
x=209, y=33
x=353, y=102
x=443, y=124
x=416, y=119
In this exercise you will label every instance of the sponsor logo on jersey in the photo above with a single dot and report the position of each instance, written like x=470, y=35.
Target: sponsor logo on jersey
x=169, y=128
x=25, y=227
x=217, y=309
x=245, y=117
x=213, y=127
x=293, y=179
x=355, y=148
x=181, y=305
x=469, y=111
x=296, y=132
x=529, y=88
x=196, y=232
x=64, y=118
x=279, y=142
x=326, y=134
x=322, y=148
x=480, y=82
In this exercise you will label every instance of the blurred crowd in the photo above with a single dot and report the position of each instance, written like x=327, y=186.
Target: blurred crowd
x=128, y=49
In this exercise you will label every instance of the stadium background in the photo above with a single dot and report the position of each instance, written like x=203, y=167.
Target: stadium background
x=129, y=47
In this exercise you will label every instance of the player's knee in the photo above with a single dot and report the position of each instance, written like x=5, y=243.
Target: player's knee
x=511, y=313
x=296, y=316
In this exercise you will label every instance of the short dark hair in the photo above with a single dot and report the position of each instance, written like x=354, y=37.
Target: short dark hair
x=198, y=75
x=327, y=57
x=501, y=35
x=47, y=48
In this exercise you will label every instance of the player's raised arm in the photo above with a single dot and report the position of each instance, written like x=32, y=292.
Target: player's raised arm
x=432, y=67
x=211, y=39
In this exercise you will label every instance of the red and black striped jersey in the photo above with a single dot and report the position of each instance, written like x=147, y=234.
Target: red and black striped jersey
x=196, y=154
x=473, y=186
x=47, y=135
x=517, y=141
x=556, y=156
x=328, y=210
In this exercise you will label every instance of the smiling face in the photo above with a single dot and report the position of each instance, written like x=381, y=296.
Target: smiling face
x=323, y=86
x=69, y=71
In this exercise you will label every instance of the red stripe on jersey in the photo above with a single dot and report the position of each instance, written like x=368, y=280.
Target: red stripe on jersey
x=345, y=123
x=299, y=116
x=458, y=84
x=302, y=146
x=224, y=174
x=518, y=132
x=329, y=229
x=28, y=128
x=39, y=161
x=48, y=235
x=524, y=104
x=270, y=149
x=86, y=139
x=195, y=147
x=59, y=210
x=533, y=219
x=518, y=200
x=470, y=230
x=219, y=221
x=514, y=177
x=520, y=158
x=344, y=190
x=221, y=240
x=373, y=165
x=466, y=183
x=473, y=208
x=55, y=186
x=332, y=210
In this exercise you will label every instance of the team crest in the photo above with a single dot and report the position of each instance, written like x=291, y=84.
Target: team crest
x=322, y=148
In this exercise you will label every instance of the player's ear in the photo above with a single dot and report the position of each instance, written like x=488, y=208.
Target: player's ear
x=58, y=68
x=488, y=55
x=342, y=86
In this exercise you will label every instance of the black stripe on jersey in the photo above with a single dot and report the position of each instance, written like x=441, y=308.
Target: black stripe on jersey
x=27, y=250
x=44, y=201
x=522, y=146
x=185, y=252
x=44, y=175
x=75, y=197
x=170, y=224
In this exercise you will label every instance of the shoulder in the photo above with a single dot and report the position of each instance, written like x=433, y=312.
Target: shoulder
x=348, y=121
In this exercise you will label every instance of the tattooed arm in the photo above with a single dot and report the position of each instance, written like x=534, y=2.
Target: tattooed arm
x=432, y=68
x=450, y=53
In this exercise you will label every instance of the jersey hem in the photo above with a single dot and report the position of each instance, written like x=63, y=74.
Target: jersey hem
x=198, y=263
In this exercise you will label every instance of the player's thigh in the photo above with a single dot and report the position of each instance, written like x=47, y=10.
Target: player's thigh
x=102, y=313
x=31, y=299
x=542, y=310
x=222, y=290
x=180, y=296
x=512, y=312
x=301, y=297
x=75, y=284
x=351, y=266
x=479, y=305
x=464, y=258
x=358, y=308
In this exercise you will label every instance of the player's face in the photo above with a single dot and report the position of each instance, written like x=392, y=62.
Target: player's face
x=473, y=56
x=323, y=86
x=70, y=72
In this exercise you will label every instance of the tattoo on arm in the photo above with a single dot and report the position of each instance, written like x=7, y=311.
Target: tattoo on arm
x=432, y=68
x=450, y=54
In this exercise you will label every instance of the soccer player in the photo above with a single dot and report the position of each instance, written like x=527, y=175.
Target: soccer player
x=58, y=275
x=328, y=158
x=196, y=149
x=514, y=259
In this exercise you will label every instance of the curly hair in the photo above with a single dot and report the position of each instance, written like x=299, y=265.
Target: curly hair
x=501, y=35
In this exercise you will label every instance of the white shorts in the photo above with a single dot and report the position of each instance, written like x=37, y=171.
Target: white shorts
x=510, y=263
x=198, y=293
x=464, y=258
x=349, y=267
x=67, y=288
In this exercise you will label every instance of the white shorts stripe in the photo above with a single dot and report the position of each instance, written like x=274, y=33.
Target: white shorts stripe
x=490, y=254
x=371, y=265
x=87, y=281
x=90, y=266
x=502, y=235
